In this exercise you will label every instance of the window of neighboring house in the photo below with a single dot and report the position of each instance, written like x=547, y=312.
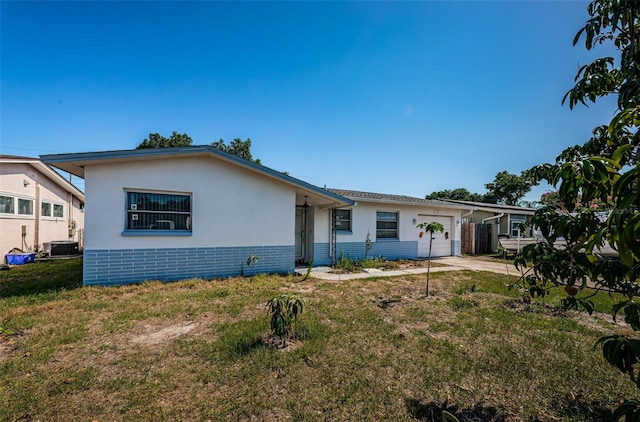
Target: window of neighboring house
x=58, y=210
x=45, y=209
x=343, y=220
x=158, y=211
x=386, y=225
x=515, y=228
x=49, y=209
x=25, y=206
x=7, y=204
x=15, y=206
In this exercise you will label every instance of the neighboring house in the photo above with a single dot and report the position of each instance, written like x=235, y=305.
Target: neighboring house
x=175, y=213
x=37, y=205
x=504, y=220
x=390, y=221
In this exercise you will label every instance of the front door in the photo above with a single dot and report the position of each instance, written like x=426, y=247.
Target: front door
x=304, y=218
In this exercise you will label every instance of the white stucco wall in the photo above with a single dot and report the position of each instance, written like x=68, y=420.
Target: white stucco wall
x=321, y=225
x=363, y=219
x=231, y=206
x=12, y=178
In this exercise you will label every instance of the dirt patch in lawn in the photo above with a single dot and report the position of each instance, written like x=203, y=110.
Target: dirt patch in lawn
x=153, y=335
x=9, y=344
x=5, y=348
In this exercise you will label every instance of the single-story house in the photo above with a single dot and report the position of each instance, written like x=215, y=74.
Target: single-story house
x=37, y=205
x=175, y=213
x=504, y=220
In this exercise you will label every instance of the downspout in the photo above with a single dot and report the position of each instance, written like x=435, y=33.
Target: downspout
x=332, y=235
x=70, y=215
x=467, y=214
x=70, y=227
x=492, y=218
x=36, y=231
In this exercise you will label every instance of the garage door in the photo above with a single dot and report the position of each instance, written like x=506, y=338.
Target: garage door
x=441, y=241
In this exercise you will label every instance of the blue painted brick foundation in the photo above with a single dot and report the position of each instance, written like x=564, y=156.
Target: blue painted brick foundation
x=109, y=267
x=321, y=254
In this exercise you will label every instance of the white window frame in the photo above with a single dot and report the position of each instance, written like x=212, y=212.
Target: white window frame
x=16, y=206
x=52, y=205
x=165, y=229
x=397, y=229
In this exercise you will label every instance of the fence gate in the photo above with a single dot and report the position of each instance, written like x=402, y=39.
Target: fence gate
x=468, y=237
x=483, y=239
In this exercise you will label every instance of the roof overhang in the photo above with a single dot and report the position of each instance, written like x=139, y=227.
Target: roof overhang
x=503, y=210
x=506, y=209
x=77, y=162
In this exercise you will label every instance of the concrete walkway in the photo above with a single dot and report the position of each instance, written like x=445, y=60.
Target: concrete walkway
x=451, y=263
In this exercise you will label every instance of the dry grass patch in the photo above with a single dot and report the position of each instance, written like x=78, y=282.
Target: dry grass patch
x=372, y=349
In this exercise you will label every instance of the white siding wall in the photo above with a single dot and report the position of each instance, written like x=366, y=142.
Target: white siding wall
x=321, y=222
x=231, y=206
x=364, y=219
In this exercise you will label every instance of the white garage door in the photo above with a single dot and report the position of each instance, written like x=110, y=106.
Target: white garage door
x=441, y=241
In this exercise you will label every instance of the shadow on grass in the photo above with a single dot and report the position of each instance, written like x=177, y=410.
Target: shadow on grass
x=432, y=412
x=573, y=409
x=41, y=277
x=582, y=410
x=241, y=338
x=245, y=347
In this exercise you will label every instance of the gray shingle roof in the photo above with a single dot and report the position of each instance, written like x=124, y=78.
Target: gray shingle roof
x=16, y=157
x=386, y=197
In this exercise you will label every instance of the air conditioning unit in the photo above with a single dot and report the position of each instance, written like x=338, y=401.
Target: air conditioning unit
x=60, y=248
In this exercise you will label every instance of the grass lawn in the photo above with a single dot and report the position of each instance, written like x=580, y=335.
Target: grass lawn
x=375, y=349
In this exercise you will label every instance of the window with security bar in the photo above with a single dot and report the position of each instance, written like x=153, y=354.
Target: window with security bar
x=342, y=220
x=158, y=211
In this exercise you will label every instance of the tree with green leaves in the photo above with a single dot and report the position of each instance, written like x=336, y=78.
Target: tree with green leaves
x=237, y=147
x=550, y=199
x=507, y=188
x=459, y=194
x=430, y=229
x=155, y=140
x=603, y=169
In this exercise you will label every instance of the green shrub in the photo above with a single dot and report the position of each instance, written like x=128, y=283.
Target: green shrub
x=355, y=265
x=284, y=312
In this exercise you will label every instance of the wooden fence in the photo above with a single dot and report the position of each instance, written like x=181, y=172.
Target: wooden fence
x=476, y=238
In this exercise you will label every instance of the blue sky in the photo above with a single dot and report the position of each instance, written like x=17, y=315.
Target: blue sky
x=394, y=97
